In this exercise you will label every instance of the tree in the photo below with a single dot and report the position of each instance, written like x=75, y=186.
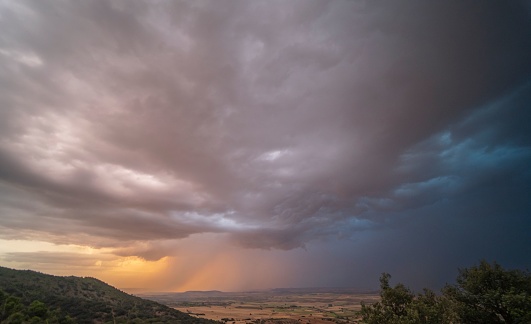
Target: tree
x=15, y=318
x=431, y=308
x=394, y=304
x=399, y=305
x=12, y=305
x=487, y=293
x=38, y=309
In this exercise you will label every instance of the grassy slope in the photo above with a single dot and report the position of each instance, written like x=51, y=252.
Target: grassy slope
x=87, y=300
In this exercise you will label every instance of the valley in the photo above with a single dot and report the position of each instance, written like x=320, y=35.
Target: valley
x=317, y=305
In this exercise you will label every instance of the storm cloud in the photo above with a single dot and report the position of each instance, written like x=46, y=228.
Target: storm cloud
x=131, y=124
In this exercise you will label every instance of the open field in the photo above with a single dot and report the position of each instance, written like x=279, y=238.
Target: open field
x=272, y=306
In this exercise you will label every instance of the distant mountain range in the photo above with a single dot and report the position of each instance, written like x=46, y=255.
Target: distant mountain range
x=191, y=294
x=32, y=297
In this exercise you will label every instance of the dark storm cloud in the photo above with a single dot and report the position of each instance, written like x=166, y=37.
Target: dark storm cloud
x=277, y=123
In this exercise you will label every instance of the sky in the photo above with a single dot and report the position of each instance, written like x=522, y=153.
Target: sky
x=238, y=145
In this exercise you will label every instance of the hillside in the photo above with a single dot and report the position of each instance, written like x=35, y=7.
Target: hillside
x=29, y=296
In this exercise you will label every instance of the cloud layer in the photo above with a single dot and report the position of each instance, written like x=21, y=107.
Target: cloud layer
x=130, y=125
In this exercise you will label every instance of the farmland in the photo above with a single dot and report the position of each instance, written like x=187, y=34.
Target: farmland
x=272, y=306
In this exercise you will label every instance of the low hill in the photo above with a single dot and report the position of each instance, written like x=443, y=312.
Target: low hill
x=29, y=296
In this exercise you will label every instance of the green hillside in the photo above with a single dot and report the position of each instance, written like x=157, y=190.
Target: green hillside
x=31, y=297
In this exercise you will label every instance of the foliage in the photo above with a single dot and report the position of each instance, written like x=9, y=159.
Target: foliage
x=12, y=310
x=32, y=297
x=487, y=293
x=399, y=305
x=483, y=294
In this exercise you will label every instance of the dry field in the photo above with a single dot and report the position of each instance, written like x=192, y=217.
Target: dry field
x=275, y=306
